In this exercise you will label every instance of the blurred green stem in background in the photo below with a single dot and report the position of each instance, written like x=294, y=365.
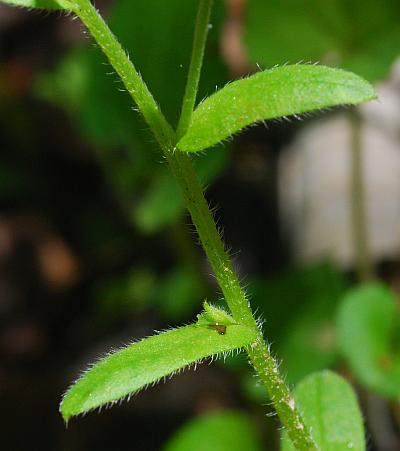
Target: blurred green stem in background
x=182, y=168
x=359, y=214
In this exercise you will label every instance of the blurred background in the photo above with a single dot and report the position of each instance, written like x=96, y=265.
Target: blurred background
x=96, y=248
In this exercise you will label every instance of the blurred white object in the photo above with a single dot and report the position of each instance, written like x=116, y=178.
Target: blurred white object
x=314, y=182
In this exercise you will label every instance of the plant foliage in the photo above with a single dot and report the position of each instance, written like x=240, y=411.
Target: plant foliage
x=146, y=362
x=329, y=408
x=275, y=93
x=368, y=324
x=360, y=36
x=39, y=4
x=222, y=431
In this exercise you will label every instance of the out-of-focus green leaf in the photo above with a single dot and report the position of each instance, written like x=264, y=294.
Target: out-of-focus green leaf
x=368, y=325
x=375, y=61
x=176, y=295
x=330, y=410
x=163, y=203
x=304, y=338
x=224, y=431
x=147, y=361
x=272, y=31
x=116, y=296
x=160, y=205
x=309, y=343
x=348, y=34
x=179, y=293
x=160, y=46
x=274, y=93
x=39, y=4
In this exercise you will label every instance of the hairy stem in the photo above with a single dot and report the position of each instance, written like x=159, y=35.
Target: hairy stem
x=259, y=354
x=130, y=77
x=182, y=168
x=199, y=43
x=364, y=265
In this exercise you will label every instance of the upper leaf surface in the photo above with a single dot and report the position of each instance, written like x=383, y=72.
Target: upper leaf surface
x=39, y=4
x=330, y=410
x=274, y=93
x=147, y=361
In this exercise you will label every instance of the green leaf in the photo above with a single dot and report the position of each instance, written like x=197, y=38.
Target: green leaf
x=308, y=341
x=214, y=316
x=146, y=362
x=162, y=203
x=105, y=117
x=375, y=61
x=356, y=35
x=165, y=32
x=179, y=292
x=222, y=431
x=330, y=410
x=274, y=93
x=272, y=30
x=117, y=296
x=368, y=325
x=159, y=205
x=305, y=337
x=39, y=4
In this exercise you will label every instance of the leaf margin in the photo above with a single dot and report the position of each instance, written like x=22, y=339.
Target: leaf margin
x=204, y=132
x=52, y=5
x=73, y=404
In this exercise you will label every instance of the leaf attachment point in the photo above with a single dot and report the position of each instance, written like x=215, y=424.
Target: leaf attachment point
x=214, y=315
x=146, y=362
x=279, y=92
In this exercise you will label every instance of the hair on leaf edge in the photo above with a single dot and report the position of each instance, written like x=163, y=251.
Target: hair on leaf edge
x=122, y=398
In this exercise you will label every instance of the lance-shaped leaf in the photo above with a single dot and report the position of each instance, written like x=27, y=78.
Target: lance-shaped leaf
x=330, y=410
x=147, y=361
x=39, y=4
x=275, y=93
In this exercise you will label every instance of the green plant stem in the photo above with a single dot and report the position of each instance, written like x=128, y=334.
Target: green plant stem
x=182, y=168
x=130, y=77
x=364, y=265
x=259, y=354
x=199, y=43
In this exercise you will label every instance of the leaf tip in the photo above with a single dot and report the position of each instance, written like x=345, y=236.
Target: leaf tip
x=65, y=413
x=69, y=406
